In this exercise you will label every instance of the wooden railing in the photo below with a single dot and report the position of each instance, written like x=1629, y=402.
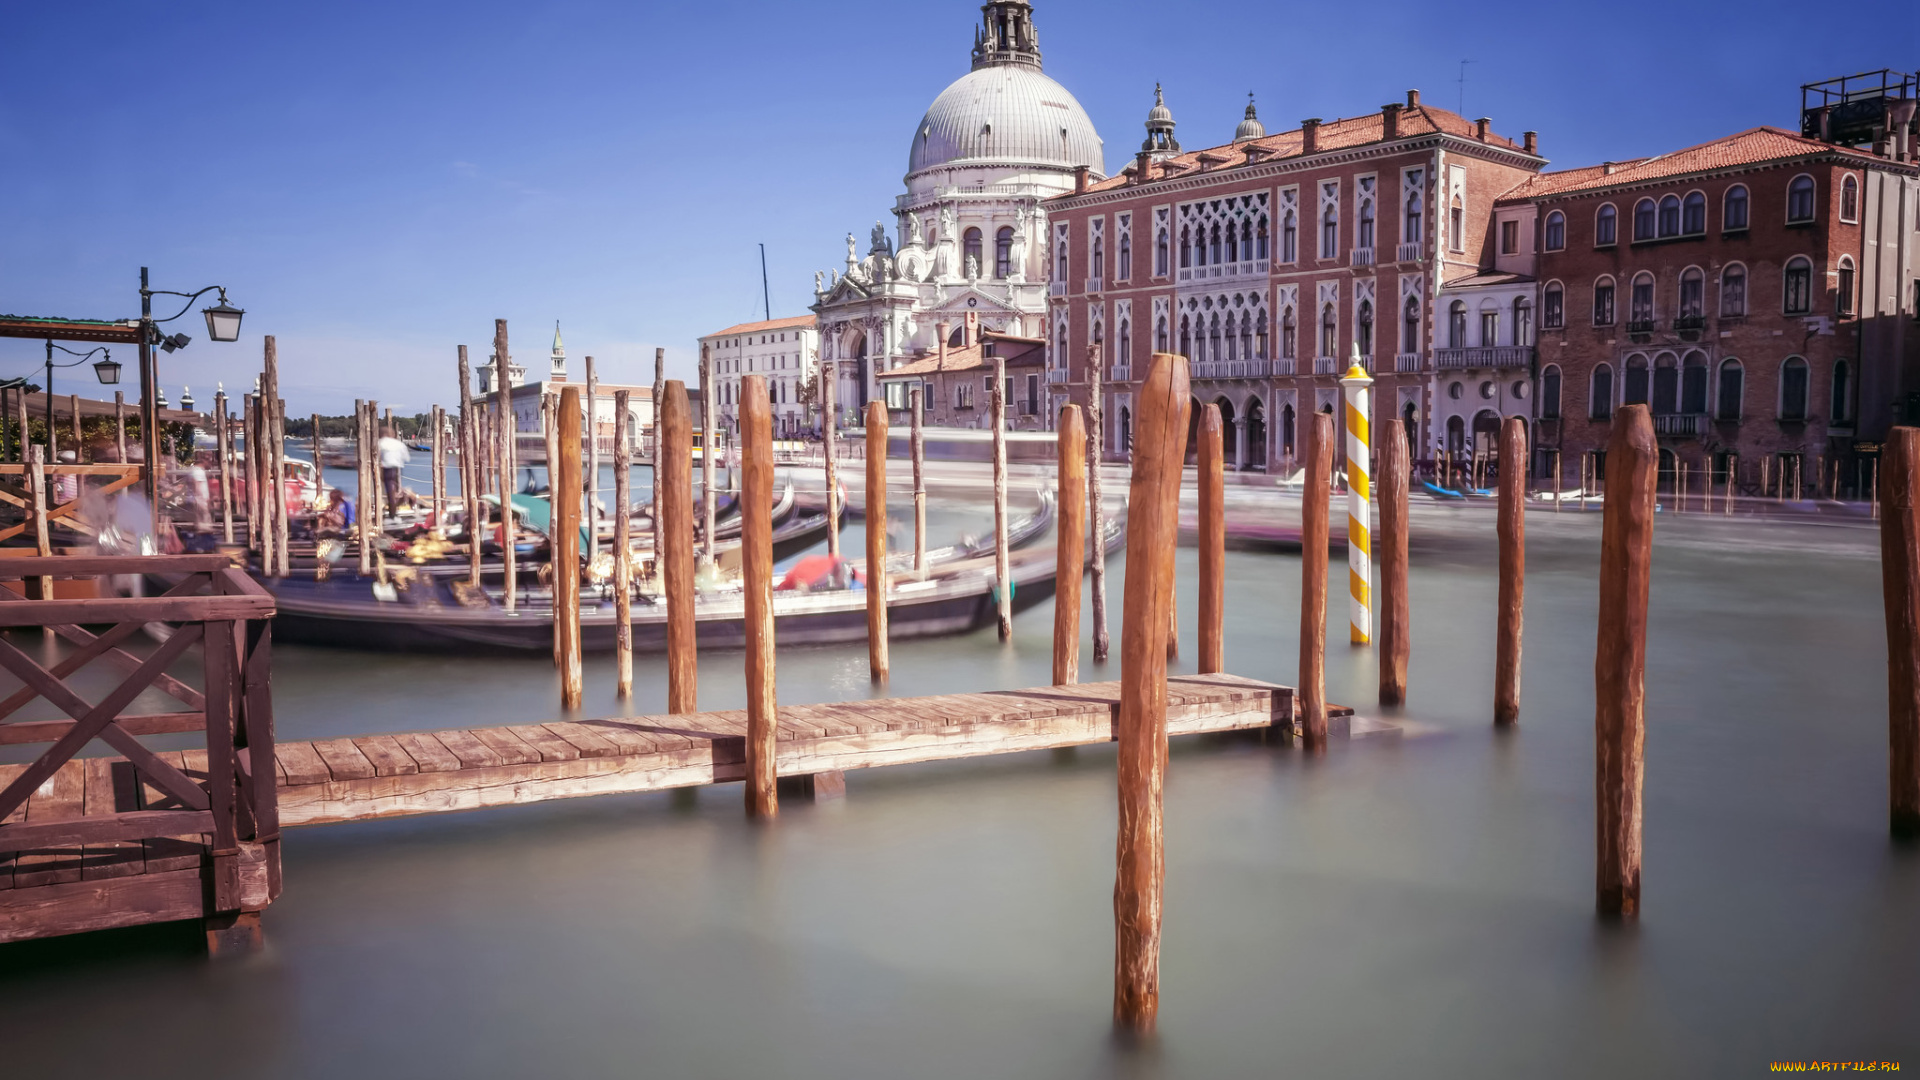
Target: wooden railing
x=227, y=800
x=38, y=494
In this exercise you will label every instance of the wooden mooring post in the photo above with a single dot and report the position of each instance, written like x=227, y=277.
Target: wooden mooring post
x=591, y=478
x=1900, y=578
x=1070, y=538
x=1153, y=528
x=263, y=468
x=1314, y=510
x=223, y=445
x=1002, y=575
x=119, y=425
x=622, y=546
x=249, y=465
x=1213, y=542
x=1096, y=510
x=659, y=395
x=567, y=548
x=470, y=470
x=1626, y=562
x=829, y=426
x=1512, y=529
x=756, y=557
x=709, y=449
x=550, y=431
x=277, y=458
x=503, y=408
x=919, y=450
x=438, y=418
x=673, y=500
x=1395, y=628
x=876, y=539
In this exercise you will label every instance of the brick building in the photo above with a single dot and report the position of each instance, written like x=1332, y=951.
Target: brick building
x=1271, y=260
x=956, y=381
x=1733, y=286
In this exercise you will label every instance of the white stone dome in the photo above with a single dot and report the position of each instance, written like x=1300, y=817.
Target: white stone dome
x=1006, y=114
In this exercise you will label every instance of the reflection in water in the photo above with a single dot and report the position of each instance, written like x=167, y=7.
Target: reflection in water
x=1413, y=908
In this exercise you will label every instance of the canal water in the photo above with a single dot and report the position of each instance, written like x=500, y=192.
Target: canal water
x=1420, y=906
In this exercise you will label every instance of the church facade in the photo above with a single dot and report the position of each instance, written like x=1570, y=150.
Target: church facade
x=970, y=231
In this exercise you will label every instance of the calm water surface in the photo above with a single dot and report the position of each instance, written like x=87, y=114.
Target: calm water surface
x=1421, y=907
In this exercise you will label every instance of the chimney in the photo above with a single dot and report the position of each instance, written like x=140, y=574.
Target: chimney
x=1310, y=135
x=973, y=327
x=1608, y=167
x=1413, y=99
x=1080, y=179
x=1390, y=120
x=1141, y=163
x=1531, y=140
x=942, y=330
x=1480, y=128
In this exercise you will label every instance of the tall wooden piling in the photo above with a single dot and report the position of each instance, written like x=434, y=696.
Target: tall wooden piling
x=673, y=500
x=277, y=459
x=709, y=448
x=42, y=503
x=622, y=547
x=366, y=494
x=119, y=425
x=1900, y=579
x=876, y=539
x=439, y=418
x=550, y=432
x=73, y=423
x=223, y=445
x=251, y=476
x=1071, y=537
x=591, y=479
x=1314, y=510
x=659, y=395
x=756, y=557
x=829, y=423
x=1626, y=560
x=1213, y=541
x=375, y=482
x=1395, y=622
x=567, y=548
x=470, y=470
x=1096, y=508
x=269, y=482
x=1512, y=529
x=1002, y=574
x=503, y=408
x=919, y=448
x=1153, y=528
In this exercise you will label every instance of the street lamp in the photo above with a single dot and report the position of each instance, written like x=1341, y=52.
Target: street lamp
x=107, y=370
x=223, y=320
x=99, y=369
x=223, y=324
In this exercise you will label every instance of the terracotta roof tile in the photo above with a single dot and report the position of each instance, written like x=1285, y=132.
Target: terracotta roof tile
x=1750, y=147
x=1019, y=351
x=764, y=326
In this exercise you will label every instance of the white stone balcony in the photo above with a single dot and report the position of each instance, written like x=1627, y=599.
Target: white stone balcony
x=1056, y=377
x=1120, y=373
x=1409, y=253
x=1326, y=365
x=1406, y=361
x=1283, y=367
x=1681, y=426
x=1360, y=256
x=1231, y=369
x=1499, y=356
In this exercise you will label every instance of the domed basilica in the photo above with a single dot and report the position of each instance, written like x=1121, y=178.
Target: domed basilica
x=970, y=232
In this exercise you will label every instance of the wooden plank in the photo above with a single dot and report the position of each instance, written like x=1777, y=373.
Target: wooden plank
x=37, y=731
x=82, y=832
x=147, y=609
x=428, y=752
x=302, y=763
x=584, y=739
x=551, y=747
x=104, y=904
x=631, y=740
x=169, y=853
x=386, y=755
x=512, y=749
x=344, y=759
x=7, y=773
x=61, y=797
x=110, y=791
x=471, y=752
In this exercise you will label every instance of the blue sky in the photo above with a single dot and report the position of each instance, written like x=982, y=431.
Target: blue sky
x=375, y=183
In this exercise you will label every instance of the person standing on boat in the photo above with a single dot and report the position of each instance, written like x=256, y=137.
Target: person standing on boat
x=393, y=456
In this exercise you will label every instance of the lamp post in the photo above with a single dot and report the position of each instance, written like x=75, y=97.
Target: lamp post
x=107, y=371
x=223, y=324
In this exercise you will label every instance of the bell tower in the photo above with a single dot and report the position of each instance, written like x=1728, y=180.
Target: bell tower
x=1006, y=35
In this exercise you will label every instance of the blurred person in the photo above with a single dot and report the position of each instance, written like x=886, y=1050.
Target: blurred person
x=393, y=457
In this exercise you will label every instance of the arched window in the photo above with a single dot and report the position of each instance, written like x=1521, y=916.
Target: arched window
x=1160, y=334
x=1644, y=216
x=1099, y=257
x=1733, y=291
x=1556, y=235
x=1365, y=328
x=1060, y=266
x=1693, y=384
x=1842, y=405
x=1606, y=226
x=1260, y=334
x=1733, y=215
x=1550, y=392
x=1669, y=216
x=1636, y=385
x=1850, y=198
x=1457, y=225
x=1126, y=256
x=1600, y=401
x=1666, y=384
x=1289, y=239
x=1003, y=253
x=1414, y=206
x=1522, y=321
x=1160, y=254
x=1410, y=326
x=1640, y=313
x=1843, y=294
x=1186, y=247
x=1553, y=304
x=1693, y=291
x=1797, y=295
x=1800, y=199
x=1693, y=214
x=1329, y=332
x=1246, y=336
x=1793, y=389
x=1213, y=340
x=972, y=246
x=1732, y=389
x=1186, y=338
x=1260, y=239
x=1098, y=336
x=1125, y=355
x=1060, y=358
x=1246, y=241
x=1329, y=233
x=1289, y=335
x=1213, y=249
x=1230, y=353
x=1366, y=224
x=1489, y=328
x=1457, y=325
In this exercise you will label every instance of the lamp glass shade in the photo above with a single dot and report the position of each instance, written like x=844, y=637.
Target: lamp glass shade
x=223, y=321
x=108, y=372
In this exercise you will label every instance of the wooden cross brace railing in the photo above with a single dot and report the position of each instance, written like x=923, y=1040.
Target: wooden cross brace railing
x=218, y=607
x=124, y=476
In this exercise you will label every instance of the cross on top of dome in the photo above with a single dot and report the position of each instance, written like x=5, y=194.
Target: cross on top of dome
x=1006, y=35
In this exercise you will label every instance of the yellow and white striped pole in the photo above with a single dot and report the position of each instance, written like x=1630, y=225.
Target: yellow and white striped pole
x=1359, y=386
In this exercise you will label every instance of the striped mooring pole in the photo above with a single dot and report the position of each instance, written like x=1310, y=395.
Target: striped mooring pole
x=1359, y=386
